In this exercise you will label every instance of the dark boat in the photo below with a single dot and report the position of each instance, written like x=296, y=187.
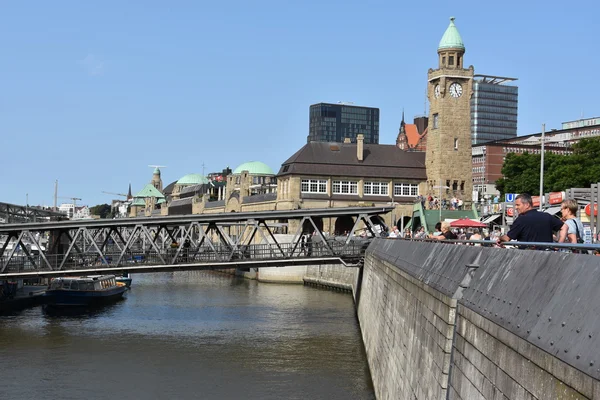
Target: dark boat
x=83, y=291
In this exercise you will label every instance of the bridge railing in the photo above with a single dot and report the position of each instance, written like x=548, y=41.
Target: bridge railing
x=173, y=256
x=581, y=248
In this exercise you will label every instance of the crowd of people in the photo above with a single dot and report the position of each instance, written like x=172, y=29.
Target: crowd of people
x=530, y=225
x=443, y=230
x=434, y=203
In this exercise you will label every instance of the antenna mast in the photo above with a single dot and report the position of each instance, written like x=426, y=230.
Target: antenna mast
x=55, y=194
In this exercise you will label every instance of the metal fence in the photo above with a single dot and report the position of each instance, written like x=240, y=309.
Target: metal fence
x=583, y=248
x=353, y=250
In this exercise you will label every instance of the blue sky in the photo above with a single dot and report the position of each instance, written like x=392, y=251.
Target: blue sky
x=91, y=93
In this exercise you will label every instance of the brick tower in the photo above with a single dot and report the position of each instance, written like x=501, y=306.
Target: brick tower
x=448, y=159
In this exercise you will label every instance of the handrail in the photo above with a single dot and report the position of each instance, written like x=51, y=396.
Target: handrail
x=493, y=243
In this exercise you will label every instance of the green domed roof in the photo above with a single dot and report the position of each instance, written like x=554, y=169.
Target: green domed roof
x=451, y=38
x=254, y=168
x=192, y=179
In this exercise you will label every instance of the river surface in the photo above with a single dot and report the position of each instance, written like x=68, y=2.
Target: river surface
x=190, y=335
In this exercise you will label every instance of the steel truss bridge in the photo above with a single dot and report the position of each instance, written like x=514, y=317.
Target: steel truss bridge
x=13, y=213
x=201, y=241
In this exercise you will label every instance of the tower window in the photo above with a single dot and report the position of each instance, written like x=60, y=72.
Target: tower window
x=455, y=144
x=458, y=61
x=451, y=61
x=444, y=61
x=435, y=121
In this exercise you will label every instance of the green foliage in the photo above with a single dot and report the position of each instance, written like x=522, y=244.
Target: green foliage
x=102, y=210
x=580, y=169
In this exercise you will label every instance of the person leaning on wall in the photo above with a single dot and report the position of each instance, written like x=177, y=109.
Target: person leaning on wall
x=572, y=230
x=446, y=234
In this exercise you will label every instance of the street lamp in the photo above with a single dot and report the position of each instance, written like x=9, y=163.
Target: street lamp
x=542, y=168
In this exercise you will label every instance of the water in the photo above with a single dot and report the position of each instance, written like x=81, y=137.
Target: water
x=190, y=335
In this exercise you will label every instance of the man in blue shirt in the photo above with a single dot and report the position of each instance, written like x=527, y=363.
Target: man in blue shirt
x=531, y=225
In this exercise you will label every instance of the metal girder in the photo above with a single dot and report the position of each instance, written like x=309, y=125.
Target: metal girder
x=201, y=218
x=71, y=245
x=5, y=245
x=296, y=238
x=273, y=237
x=39, y=246
x=147, y=234
x=137, y=227
x=225, y=238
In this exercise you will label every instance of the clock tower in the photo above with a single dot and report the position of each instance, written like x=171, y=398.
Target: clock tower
x=449, y=90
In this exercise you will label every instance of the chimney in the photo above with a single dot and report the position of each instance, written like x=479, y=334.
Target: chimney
x=359, y=146
x=347, y=140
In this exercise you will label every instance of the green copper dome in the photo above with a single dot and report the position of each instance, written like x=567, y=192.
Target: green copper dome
x=254, y=168
x=451, y=38
x=149, y=191
x=192, y=179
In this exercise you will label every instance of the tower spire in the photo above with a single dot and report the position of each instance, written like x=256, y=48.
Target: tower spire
x=129, y=196
x=402, y=122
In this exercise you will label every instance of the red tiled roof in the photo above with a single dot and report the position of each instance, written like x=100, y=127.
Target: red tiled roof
x=412, y=135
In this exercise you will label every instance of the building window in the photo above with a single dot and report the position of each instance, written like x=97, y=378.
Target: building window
x=444, y=61
x=436, y=121
x=375, y=188
x=451, y=61
x=406, y=189
x=313, y=186
x=455, y=144
x=345, y=187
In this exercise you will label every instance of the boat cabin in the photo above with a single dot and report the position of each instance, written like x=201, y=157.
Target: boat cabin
x=98, y=282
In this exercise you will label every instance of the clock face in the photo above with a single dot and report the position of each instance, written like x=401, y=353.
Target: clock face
x=436, y=91
x=455, y=90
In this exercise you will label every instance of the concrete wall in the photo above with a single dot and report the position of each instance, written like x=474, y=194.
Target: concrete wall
x=448, y=321
x=334, y=276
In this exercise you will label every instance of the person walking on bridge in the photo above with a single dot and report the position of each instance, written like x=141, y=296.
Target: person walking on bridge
x=531, y=225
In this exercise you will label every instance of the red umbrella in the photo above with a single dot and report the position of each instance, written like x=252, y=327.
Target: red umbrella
x=467, y=223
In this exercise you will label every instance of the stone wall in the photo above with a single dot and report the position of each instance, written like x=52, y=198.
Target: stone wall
x=459, y=322
x=333, y=276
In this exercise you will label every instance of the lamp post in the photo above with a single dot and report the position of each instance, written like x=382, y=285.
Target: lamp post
x=542, y=168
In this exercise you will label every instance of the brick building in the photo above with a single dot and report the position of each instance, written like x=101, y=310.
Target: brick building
x=488, y=158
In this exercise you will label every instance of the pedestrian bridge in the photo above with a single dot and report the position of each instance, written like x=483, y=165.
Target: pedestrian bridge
x=203, y=241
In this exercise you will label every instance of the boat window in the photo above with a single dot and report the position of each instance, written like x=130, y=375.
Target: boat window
x=97, y=285
x=74, y=285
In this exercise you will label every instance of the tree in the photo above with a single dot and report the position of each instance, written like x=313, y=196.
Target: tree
x=580, y=169
x=102, y=210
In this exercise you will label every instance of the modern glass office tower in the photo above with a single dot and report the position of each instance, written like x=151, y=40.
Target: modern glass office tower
x=336, y=122
x=494, y=107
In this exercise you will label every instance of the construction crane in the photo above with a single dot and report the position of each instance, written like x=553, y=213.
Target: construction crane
x=116, y=194
x=71, y=198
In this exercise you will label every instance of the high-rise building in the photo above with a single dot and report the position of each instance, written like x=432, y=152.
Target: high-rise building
x=337, y=122
x=493, y=109
x=448, y=154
